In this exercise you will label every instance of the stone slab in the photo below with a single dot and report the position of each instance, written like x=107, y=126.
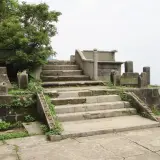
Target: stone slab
x=147, y=138
x=104, y=147
x=86, y=128
x=33, y=128
x=149, y=156
x=7, y=152
x=129, y=79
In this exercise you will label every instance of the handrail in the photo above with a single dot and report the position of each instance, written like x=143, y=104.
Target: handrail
x=83, y=57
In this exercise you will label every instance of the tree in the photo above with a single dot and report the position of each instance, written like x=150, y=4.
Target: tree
x=7, y=7
x=28, y=31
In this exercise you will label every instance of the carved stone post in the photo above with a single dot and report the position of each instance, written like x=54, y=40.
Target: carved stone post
x=147, y=70
x=95, y=68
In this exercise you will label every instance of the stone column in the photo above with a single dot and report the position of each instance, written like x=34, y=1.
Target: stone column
x=95, y=68
x=129, y=66
x=22, y=80
x=147, y=70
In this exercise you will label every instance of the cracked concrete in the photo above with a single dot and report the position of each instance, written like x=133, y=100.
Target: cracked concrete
x=132, y=145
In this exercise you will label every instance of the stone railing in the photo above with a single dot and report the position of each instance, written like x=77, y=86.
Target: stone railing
x=141, y=107
x=89, y=67
x=44, y=111
x=97, y=64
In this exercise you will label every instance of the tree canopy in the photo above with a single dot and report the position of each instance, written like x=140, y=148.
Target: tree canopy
x=27, y=29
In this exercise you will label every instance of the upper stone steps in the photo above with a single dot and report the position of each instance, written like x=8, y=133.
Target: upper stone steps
x=61, y=62
x=65, y=78
x=61, y=72
x=72, y=83
x=60, y=67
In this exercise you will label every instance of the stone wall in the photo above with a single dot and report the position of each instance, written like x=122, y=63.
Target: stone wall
x=14, y=113
x=102, y=55
x=105, y=68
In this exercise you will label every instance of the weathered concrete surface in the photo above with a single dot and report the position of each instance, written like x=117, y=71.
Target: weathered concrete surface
x=133, y=145
x=33, y=128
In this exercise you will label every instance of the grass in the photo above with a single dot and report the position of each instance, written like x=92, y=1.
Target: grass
x=156, y=111
x=20, y=134
x=57, y=128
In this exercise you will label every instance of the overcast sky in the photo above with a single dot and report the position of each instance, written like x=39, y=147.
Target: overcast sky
x=130, y=26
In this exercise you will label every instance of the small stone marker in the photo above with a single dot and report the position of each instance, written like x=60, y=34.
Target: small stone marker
x=4, y=77
x=115, y=77
x=22, y=80
x=147, y=70
x=129, y=66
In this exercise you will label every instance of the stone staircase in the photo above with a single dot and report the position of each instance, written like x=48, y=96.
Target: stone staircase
x=82, y=105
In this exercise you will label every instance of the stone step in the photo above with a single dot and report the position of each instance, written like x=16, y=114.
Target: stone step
x=96, y=114
x=57, y=62
x=74, y=89
x=93, y=127
x=76, y=93
x=88, y=100
x=61, y=72
x=65, y=78
x=60, y=67
x=91, y=107
x=72, y=83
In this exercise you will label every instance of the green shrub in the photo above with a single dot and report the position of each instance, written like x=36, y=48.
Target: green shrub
x=29, y=118
x=44, y=128
x=4, y=125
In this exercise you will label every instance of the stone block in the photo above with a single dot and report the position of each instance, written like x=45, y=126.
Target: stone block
x=129, y=79
x=147, y=70
x=3, y=88
x=4, y=77
x=22, y=80
x=72, y=58
x=129, y=66
x=143, y=80
x=3, y=70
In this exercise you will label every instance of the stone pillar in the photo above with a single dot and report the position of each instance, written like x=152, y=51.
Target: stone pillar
x=72, y=58
x=147, y=70
x=129, y=66
x=22, y=80
x=143, y=80
x=95, y=59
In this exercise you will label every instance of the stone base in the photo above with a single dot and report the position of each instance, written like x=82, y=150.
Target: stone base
x=129, y=79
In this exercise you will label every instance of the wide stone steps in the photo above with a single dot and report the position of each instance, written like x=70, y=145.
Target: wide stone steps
x=72, y=83
x=65, y=78
x=57, y=62
x=92, y=127
x=96, y=114
x=60, y=67
x=89, y=99
x=61, y=72
x=83, y=106
x=63, y=109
